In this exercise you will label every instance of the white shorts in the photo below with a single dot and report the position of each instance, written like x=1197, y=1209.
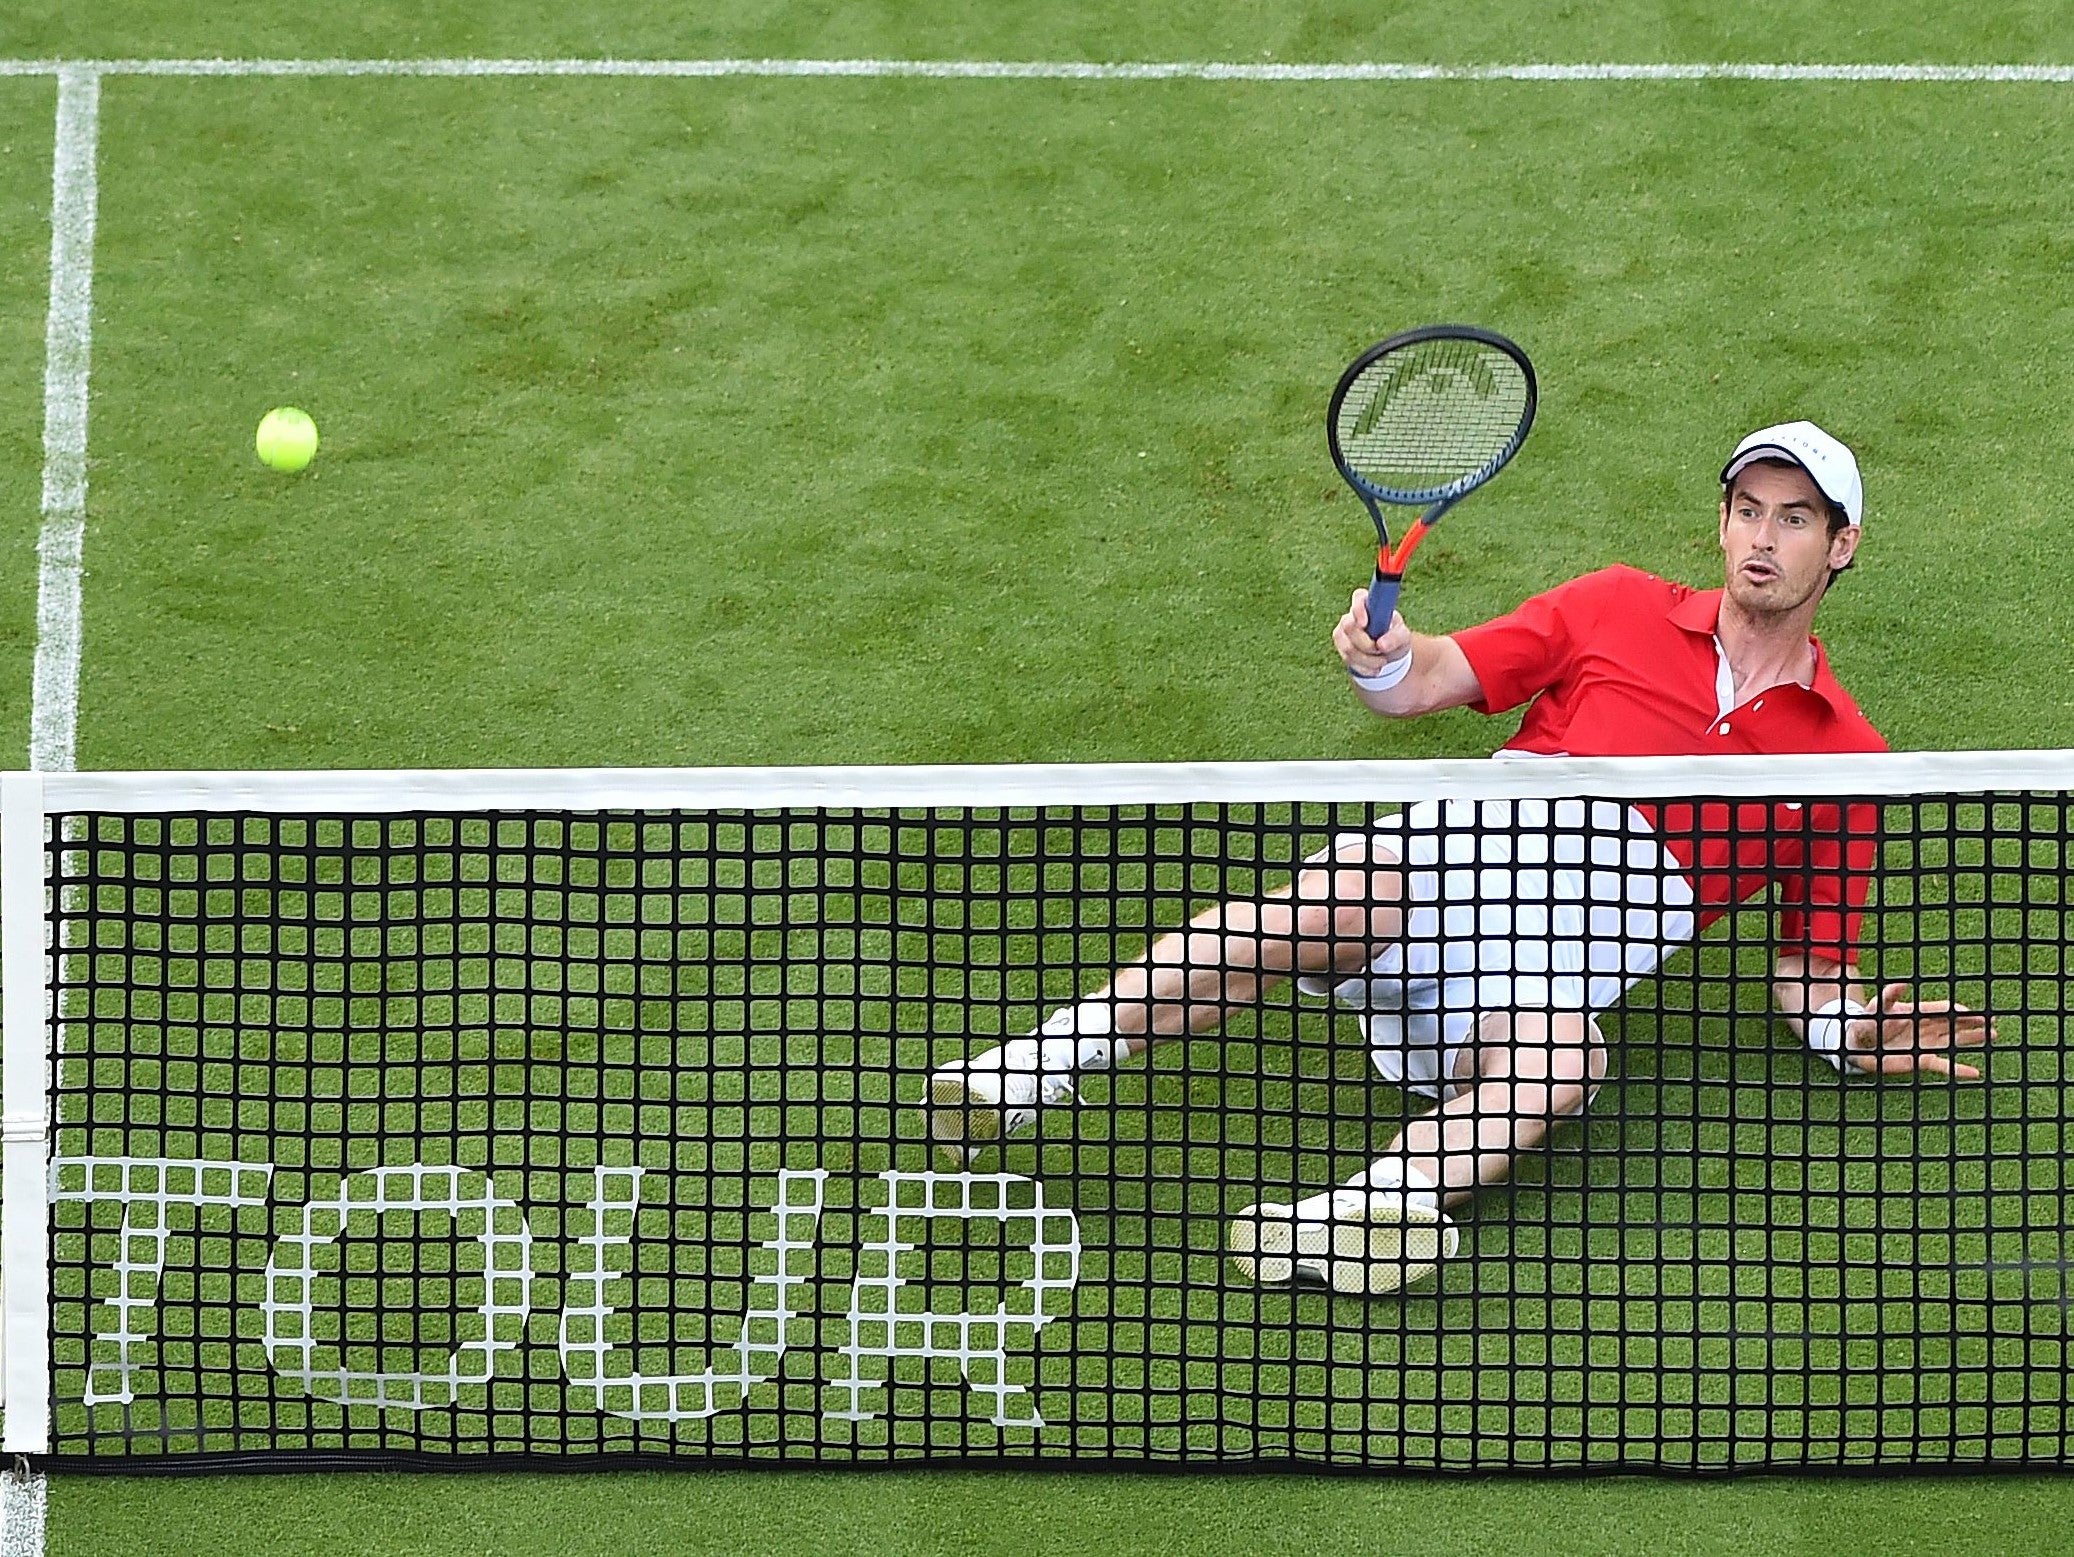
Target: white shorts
x=1514, y=905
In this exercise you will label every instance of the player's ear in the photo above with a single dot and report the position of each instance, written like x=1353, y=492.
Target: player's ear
x=1843, y=545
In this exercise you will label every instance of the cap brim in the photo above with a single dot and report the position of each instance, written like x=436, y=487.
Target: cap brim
x=1772, y=451
x=1769, y=451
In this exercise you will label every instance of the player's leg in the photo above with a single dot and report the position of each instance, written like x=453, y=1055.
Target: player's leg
x=1331, y=919
x=1488, y=1006
x=1387, y=1226
x=1531, y=1071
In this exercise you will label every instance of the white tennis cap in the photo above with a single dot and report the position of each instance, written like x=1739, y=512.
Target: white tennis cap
x=1833, y=467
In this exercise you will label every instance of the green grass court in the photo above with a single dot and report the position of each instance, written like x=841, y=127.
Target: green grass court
x=796, y=421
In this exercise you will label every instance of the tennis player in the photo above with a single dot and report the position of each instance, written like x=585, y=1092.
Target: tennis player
x=1479, y=943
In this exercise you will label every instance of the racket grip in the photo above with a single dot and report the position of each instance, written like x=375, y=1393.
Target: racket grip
x=1382, y=602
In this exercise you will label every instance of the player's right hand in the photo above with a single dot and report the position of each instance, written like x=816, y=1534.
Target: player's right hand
x=1360, y=653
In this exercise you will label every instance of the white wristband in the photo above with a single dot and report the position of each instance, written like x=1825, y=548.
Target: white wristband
x=1826, y=1029
x=1393, y=671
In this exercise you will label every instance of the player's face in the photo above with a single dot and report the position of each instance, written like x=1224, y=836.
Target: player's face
x=1775, y=539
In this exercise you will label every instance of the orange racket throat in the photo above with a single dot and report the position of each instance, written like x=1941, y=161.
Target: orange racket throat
x=1388, y=562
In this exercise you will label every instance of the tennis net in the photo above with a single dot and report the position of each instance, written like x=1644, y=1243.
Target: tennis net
x=452, y=1118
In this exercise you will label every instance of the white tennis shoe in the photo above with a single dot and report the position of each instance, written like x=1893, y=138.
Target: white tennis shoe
x=1373, y=1242
x=980, y=1102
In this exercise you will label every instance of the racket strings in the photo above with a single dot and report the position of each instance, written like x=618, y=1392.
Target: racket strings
x=1434, y=415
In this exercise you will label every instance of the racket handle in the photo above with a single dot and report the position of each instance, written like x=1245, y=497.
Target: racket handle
x=1382, y=602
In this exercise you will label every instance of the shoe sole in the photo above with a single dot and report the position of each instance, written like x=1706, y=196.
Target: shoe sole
x=956, y=1123
x=1273, y=1247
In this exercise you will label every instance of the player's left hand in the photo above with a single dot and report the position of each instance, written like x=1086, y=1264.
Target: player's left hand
x=1904, y=1036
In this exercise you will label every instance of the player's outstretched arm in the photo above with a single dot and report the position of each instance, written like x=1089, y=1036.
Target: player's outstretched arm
x=1888, y=1034
x=1438, y=676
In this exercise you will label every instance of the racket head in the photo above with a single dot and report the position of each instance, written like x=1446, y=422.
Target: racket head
x=1428, y=416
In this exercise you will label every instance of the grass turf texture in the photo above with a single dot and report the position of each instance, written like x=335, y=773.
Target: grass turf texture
x=862, y=276
x=1085, y=1514
x=25, y=151
x=909, y=420
x=1681, y=30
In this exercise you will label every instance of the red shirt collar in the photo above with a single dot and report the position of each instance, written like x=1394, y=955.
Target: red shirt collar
x=1700, y=612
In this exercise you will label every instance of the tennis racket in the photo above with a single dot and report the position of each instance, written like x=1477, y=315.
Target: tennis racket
x=1421, y=421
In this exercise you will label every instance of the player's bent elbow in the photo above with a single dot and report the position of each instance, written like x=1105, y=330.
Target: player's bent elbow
x=1446, y=679
x=1408, y=700
x=1390, y=710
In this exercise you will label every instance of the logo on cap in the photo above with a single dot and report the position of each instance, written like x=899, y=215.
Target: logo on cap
x=1829, y=464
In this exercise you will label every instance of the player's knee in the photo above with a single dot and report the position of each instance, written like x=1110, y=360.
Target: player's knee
x=1327, y=939
x=1353, y=922
x=1579, y=1069
x=1595, y=1058
x=1554, y=1064
x=1339, y=913
x=1315, y=922
x=1362, y=849
x=1364, y=871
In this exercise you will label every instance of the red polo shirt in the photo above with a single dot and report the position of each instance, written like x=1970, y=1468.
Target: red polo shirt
x=1620, y=663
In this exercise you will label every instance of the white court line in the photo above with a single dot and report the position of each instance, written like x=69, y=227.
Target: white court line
x=1050, y=70
x=54, y=706
x=68, y=350
x=68, y=342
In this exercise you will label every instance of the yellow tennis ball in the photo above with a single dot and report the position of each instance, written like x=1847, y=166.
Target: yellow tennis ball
x=287, y=438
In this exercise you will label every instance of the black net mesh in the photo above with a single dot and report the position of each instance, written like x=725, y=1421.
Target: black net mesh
x=456, y=1137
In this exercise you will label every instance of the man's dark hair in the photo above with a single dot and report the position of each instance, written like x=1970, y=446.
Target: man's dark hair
x=1838, y=518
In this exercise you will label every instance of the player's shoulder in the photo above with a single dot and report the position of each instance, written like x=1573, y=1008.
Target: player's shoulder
x=1622, y=585
x=1626, y=578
